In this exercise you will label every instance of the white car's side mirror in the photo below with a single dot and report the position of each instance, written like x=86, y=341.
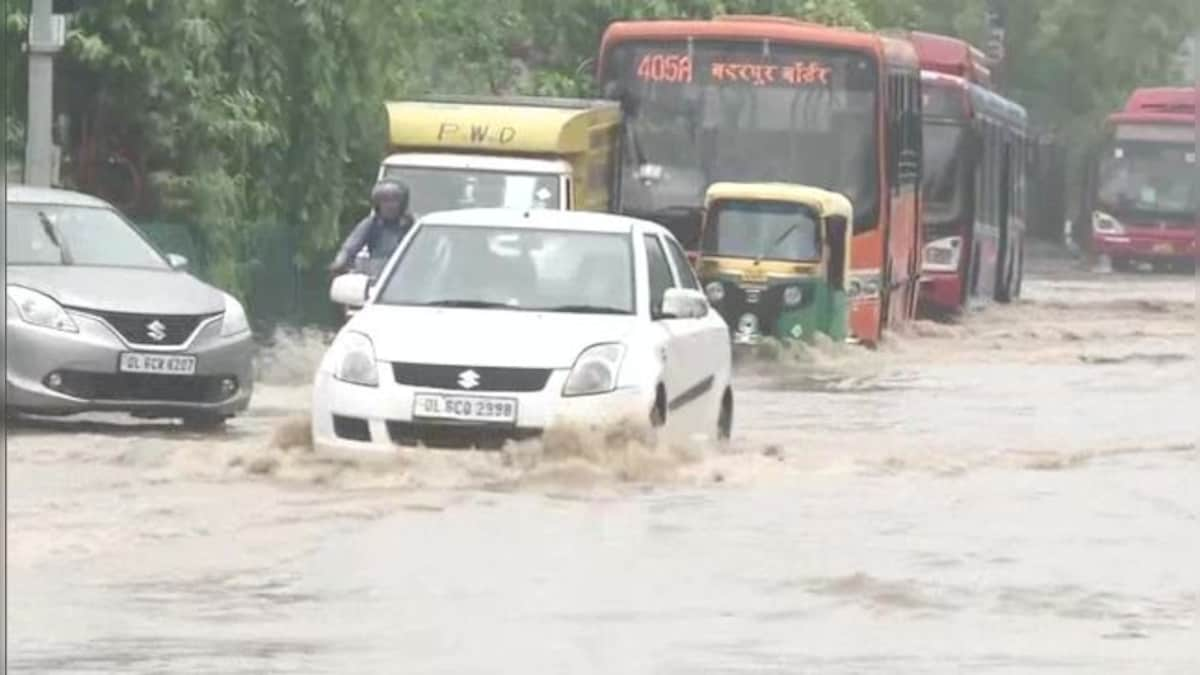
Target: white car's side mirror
x=177, y=262
x=684, y=303
x=349, y=289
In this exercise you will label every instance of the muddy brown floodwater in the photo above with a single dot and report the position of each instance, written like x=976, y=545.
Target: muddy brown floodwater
x=1016, y=493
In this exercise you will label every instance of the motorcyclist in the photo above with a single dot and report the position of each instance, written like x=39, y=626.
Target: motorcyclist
x=381, y=231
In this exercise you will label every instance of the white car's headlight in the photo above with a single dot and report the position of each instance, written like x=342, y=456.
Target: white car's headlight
x=355, y=360
x=595, y=371
x=1102, y=222
x=39, y=309
x=234, y=322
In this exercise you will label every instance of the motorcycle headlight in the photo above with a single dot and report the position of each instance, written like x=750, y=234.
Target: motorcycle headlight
x=793, y=295
x=355, y=361
x=38, y=309
x=715, y=291
x=234, y=322
x=595, y=371
x=1102, y=222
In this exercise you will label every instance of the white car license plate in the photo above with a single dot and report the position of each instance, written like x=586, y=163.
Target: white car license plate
x=465, y=408
x=158, y=364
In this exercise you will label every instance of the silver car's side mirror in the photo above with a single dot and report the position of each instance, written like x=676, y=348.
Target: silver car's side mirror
x=177, y=262
x=349, y=290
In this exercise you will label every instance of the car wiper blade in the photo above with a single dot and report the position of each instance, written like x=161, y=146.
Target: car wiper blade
x=585, y=309
x=470, y=304
x=775, y=243
x=55, y=236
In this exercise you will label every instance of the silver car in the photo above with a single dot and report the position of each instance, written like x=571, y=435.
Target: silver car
x=98, y=319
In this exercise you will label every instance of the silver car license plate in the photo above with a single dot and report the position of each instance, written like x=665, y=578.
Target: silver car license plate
x=158, y=364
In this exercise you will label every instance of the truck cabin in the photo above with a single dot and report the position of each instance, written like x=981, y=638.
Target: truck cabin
x=516, y=152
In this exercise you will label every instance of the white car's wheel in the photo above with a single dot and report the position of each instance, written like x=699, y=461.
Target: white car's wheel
x=725, y=417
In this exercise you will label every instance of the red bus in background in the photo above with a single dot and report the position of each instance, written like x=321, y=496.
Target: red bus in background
x=756, y=98
x=1142, y=195
x=977, y=154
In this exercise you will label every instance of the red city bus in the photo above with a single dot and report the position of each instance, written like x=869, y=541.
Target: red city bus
x=1141, y=195
x=977, y=154
x=770, y=99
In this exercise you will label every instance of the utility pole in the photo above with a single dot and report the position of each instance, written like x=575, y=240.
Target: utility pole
x=45, y=40
x=997, y=20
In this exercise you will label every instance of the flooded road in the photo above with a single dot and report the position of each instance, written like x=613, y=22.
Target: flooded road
x=1012, y=494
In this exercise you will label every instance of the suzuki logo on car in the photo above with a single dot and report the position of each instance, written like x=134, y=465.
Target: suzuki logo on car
x=156, y=330
x=468, y=379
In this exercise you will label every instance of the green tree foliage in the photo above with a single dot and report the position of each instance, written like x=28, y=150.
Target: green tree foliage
x=263, y=121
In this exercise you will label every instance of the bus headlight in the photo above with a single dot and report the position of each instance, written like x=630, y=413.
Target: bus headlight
x=715, y=291
x=1106, y=224
x=943, y=255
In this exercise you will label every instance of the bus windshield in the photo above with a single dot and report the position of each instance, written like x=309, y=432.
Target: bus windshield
x=944, y=174
x=744, y=111
x=1149, y=179
x=763, y=230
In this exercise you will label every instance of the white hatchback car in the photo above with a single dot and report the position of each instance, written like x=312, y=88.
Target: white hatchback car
x=494, y=324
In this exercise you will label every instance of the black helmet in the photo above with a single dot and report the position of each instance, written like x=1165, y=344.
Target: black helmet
x=390, y=190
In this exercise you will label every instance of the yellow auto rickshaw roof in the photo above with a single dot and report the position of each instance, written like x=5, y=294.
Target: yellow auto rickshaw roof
x=518, y=125
x=825, y=201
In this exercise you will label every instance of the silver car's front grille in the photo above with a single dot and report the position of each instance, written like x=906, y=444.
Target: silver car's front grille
x=159, y=330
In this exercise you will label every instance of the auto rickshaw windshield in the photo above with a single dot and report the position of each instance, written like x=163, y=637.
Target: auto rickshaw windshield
x=763, y=230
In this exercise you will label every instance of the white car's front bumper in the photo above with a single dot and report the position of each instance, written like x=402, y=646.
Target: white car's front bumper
x=377, y=420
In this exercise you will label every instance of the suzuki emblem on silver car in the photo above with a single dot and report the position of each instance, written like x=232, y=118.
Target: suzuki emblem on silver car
x=156, y=330
x=468, y=379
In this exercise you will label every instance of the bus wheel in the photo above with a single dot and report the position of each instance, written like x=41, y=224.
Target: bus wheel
x=1004, y=281
x=1020, y=280
x=1122, y=263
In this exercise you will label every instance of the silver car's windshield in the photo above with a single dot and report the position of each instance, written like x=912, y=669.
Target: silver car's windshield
x=50, y=234
x=514, y=268
x=443, y=189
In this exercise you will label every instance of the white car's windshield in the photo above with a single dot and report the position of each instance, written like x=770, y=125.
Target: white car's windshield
x=443, y=189
x=514, y=268
x=47, y=234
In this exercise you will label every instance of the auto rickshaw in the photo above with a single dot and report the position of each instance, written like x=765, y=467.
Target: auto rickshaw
x=773, y=260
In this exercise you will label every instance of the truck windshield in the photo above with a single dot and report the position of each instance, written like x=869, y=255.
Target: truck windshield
x=443, y=189
x=1149, y=179
x=744, y=111
x=945, y=171
x=763, y=230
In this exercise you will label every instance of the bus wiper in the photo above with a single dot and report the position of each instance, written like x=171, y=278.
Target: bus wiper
x=584, y=309
x=778, y=241
x=56, y=237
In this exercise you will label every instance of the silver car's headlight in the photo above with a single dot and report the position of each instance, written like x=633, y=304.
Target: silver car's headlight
x=39, y=309
x=595, y=371
x=355, y=361
x=234, y=322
